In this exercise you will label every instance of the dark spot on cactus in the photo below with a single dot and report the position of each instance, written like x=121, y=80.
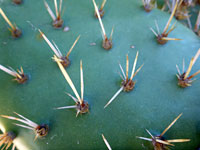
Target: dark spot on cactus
x=23, y=78
x=160, y=40
x=17, y=2
x=148, y=5
x=128, y=85
x=157, y=145
x=7, y=140
x=16, y=33
x=58, y=23
x=186, y=3
x=148, y=8
x=11, y=134
x=181, y=14
x=65, y=61
x=182, y=10
x=82, y=108
x=183, y=82
x=101, y=13
x=107, y=44
x=42, y=130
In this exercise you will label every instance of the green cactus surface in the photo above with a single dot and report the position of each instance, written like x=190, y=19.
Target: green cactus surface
x=153, y=104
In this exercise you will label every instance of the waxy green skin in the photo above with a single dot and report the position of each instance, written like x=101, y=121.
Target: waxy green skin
x=155, y=101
